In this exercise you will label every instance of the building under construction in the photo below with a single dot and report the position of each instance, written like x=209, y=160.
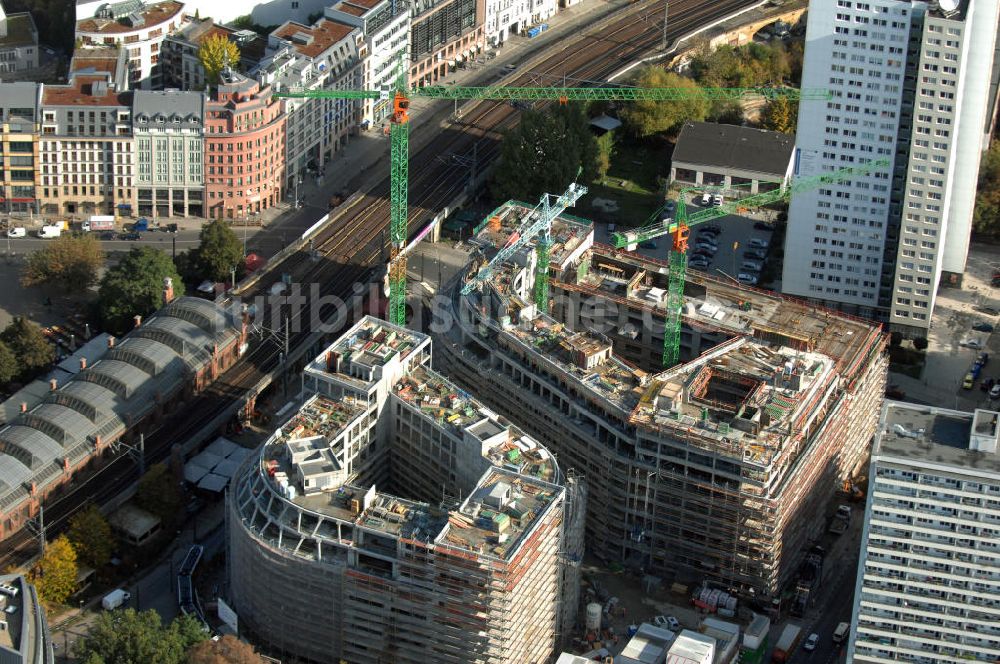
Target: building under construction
x=715, y=469
x=330, y=562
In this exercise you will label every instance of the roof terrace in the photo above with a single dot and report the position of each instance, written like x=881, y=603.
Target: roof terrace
x=320, y=416
x=499, y=511
x=570, y=235
x=742, y=398
x=362, y=353
x=588, y=359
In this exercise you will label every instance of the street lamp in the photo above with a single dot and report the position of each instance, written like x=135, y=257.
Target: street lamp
x=298, y=181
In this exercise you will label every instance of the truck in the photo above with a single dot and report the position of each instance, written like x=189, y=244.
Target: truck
x=49, y=232
x=840, y=634
x=841, y=520
x=141, y=226
x=786, y=643
x=99, y=223
x=115, y=599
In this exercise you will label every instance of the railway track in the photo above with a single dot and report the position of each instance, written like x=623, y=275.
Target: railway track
x=356, y=240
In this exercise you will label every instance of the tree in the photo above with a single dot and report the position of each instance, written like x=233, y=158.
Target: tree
x=227, y=650
x=780, y=114
x=544, y=153
x=219, y=251
x=605, y=148
x=91, y=536
x=129, y=637
x=54, y=575
x=726, y=112
x=68, y=263
x=644, y=118
x=29, y=345
x=920, y=343
x=986, y=217
x=157, y=493
x=9, y=367
x=215, y=53
x=135, y=287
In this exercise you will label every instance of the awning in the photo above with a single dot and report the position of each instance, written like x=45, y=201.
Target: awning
x=124, y=206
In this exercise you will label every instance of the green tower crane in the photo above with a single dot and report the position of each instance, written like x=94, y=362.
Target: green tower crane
x=680, y=228
x=399, y=137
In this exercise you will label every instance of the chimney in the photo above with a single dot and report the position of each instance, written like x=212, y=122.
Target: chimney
x=168, y=290
x=138, y=320
x=83, y=363
x=24, y=406
x=53, y=384
x=97, y=442
x=111, y=342
x=66, y=464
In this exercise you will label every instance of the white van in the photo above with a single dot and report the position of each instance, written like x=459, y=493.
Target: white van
x=840, y=634
x=17, y=231
x=49, y=232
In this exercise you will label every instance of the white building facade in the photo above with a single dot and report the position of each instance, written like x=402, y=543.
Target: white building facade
x=386, y=28
x=134, y=25
x=928, y=582
x=324, y=56
x=898, y=72
x=507, y=17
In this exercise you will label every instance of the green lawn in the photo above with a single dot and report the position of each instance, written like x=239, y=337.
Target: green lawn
x=631, y=183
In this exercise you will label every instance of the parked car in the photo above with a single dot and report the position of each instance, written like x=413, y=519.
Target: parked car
x=759, y=243
x=706, y=199
x=717, y=200
x=811, y=642
x=670, y=207
x=982, y=327
x=983, y=359
x=706, y=246
x=168, y=228
x=995, y=391
x=975, y=344
x=968, y=381
x=754, y=254
x=107, y=236
x=749, y=279
x=649, y=244
x=131, y=236
x=707, y=253
x=712, y=228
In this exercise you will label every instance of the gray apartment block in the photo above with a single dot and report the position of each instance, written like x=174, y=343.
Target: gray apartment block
x=928, y=582
x=18, y=44
x=169, y=138
x=19, y=115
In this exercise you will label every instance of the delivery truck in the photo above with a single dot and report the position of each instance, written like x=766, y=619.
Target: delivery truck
x=49, y=232
x=99, y=223
x=786, y=643
x=115, y=599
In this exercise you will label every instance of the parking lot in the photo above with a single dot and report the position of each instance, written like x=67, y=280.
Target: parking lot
x=720, y=247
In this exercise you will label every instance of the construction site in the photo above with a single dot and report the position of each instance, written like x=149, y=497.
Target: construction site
x=712, y=470
x=394, y=517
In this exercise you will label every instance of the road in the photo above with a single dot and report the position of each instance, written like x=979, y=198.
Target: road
x=354, y=246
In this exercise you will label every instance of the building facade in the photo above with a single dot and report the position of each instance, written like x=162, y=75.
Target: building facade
x=442, y=35
x=928, y=582
x=24, y=630
x=169, y=131
x=386, y=28
x=87, y=150
x=18, y=44
x=244, y=148
x=473, y=565
x=324, y=56
x=909, y=83
x=19, y=158
x=711, y=470
x=512, y=17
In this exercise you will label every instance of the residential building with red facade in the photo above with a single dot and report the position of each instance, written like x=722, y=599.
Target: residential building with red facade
x=244, y=148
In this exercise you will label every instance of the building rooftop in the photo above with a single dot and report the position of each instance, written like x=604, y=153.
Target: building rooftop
x=25, y=634
x=585, y=357
x=99, y=403
x=130, y=16
x=86, y=90
x=95, y=60
x=180, y=109
x=449, y=406
x=691, y=648
x=312, y=41
x=732, y=147
x=939, y=436
x=21, y=31
x=15, y=99
x=570, y=235
x=360, y=355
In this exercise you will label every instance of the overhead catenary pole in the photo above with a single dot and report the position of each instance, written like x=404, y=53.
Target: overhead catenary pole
x=666, y=11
